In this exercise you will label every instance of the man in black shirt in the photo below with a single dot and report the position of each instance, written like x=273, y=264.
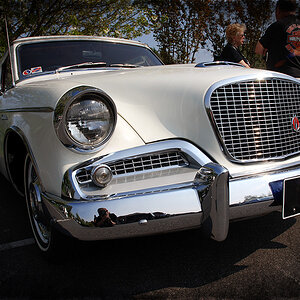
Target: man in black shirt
x=281, y=41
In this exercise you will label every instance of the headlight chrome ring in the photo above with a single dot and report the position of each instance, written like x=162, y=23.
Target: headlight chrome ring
x=85, y=119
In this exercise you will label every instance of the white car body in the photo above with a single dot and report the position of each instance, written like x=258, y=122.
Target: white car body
x=158, y=109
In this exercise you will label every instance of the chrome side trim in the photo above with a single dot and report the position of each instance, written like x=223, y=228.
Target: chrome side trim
x=267, y=76
x=29, y=109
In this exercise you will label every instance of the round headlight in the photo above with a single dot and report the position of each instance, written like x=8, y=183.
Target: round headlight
x=88, y=119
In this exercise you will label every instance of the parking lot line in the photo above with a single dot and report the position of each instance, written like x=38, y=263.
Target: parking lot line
x=16, y=244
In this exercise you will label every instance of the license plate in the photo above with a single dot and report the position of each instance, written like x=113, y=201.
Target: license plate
x=291, y=197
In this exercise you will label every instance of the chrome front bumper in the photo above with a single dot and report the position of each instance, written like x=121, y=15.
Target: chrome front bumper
x=209, y=200
x=201, y=202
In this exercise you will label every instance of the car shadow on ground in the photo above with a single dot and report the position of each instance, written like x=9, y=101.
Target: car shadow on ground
x=139, y=265
x=136, y=266
x=184, y=259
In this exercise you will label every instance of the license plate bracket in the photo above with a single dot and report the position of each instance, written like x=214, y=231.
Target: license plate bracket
x=291, y=197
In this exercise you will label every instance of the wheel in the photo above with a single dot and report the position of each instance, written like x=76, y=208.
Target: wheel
x=47, y=239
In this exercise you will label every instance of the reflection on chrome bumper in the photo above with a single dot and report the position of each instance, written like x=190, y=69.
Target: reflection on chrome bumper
x=260, y=194
x=203, y=201
x=128, y=217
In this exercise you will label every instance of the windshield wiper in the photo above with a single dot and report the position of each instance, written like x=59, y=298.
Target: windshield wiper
x=83, y=65
x=123, y=66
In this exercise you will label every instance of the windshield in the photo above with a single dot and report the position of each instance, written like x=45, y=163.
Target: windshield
x=49, y=56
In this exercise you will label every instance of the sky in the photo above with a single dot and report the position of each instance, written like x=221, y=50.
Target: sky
x=201, y=56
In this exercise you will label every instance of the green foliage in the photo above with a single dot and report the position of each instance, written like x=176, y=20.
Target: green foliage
x=180, y=27
x=87, y=17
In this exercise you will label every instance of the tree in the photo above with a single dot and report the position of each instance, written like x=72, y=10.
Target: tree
x=51, y=17
x=220, y=15
x=181, y=27
x=178, y=27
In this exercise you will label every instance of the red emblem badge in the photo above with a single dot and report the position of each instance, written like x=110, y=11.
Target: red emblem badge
x=293, y=38
x=295, y=123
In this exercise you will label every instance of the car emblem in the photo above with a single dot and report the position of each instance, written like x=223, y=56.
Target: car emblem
x=295, y=123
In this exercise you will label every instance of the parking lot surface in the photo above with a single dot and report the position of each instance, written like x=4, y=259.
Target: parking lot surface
x=259, y=260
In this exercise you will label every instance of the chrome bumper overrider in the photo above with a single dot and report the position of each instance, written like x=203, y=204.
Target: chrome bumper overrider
x=209, y=200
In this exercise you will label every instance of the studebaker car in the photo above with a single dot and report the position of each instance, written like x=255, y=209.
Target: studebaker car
x=106, y=142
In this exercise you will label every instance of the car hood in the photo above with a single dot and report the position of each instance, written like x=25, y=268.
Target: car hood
x=161, y=102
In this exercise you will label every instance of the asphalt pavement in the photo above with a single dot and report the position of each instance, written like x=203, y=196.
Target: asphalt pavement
x=260, y=259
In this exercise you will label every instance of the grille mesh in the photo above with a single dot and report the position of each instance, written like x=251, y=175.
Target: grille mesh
x=164, y=160
x=149, y=162
x=254, y=118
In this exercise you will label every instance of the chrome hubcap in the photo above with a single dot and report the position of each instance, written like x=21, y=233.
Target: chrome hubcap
x=35, y=204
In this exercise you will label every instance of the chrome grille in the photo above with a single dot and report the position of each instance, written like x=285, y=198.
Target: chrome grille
x=84, y=176
x=254, y=118
x=149, y=162
x=153, y=161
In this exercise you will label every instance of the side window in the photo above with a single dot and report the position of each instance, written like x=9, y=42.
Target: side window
x=6, y=75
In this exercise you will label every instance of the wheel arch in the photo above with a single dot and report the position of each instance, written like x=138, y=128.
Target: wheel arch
x=16, y=147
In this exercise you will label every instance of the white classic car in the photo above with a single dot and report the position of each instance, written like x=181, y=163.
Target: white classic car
x=106, y=142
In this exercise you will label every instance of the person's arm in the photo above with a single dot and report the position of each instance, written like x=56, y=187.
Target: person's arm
x=242, y=62
x=260, y=50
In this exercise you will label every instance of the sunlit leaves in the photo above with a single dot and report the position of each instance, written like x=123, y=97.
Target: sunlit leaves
x=90, y=17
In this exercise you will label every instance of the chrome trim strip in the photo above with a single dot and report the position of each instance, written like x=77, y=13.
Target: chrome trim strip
x=134, y=193
x=251, y=210
x=266, y=170
x=218, y=63
x=268, y=76
x=29, y=109
x=257, y=188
